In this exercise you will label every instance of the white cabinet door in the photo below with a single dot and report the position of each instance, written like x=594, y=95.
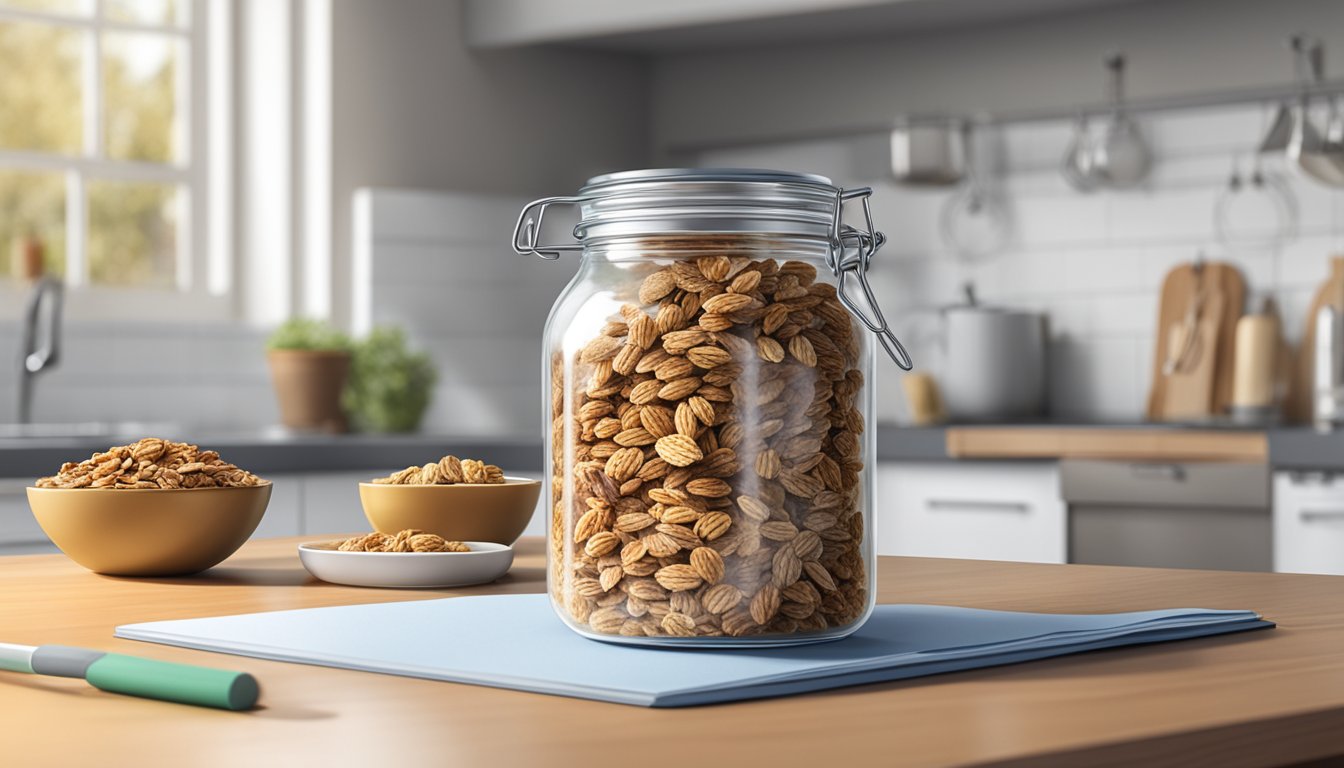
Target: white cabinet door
x=1308, y=523
x=331, y=502
x=976, y=510
x=282, y=513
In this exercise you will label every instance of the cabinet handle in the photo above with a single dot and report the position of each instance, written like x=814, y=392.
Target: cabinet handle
x=1311, y=515
x=1172, y=472
x=941, y=505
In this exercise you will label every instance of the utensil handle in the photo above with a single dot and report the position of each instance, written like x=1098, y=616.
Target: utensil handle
x=167, y=681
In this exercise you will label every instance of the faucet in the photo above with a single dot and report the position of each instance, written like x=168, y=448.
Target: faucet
x=40, y=346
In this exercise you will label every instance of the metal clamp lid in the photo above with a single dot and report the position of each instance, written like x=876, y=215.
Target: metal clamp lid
x=798, y=198
x=528, y=230
x=851, y=251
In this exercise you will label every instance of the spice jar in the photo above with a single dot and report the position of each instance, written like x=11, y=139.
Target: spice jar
x=709, y=395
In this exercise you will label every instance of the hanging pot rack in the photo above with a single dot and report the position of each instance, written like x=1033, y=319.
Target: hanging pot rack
x=1307, y=87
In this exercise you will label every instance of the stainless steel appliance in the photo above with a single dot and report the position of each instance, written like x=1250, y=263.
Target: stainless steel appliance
x=995, y=366
x=1328, y=369
x=1213, y=515
x=929, y=152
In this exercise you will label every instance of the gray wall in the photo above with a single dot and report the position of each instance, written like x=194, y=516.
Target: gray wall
x=746, y=95
x=414, y=108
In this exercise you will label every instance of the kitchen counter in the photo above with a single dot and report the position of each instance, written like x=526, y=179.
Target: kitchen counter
x=1287, y=448
x=279, y=451
x=1264, y=698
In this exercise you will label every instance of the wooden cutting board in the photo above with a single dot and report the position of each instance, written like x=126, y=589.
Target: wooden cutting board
x=1179, y=288
x=1189, y=390
x=1297, y=405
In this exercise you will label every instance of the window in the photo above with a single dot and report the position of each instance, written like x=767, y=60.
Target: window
x=103, y=141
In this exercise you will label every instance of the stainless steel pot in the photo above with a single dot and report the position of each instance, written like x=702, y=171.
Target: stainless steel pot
x=929, y=152
x=995, y=367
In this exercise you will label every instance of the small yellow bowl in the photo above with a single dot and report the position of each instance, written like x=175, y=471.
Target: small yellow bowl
x=149, y=532
x=462, y=512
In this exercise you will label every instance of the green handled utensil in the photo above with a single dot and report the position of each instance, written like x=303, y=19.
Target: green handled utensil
x=135, y=676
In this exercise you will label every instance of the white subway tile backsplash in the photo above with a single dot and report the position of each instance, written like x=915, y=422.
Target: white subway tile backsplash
x=1059, y=220
x=1035, y=147
x=1306, y=262
x=1095, y=262
x=1124, y=315
x=1092, y=270
x=1218, y=131
x=1161, y=215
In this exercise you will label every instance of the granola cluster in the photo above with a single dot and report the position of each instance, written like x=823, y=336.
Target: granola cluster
x=151, y=463
x=449, y=470
x=409, y=540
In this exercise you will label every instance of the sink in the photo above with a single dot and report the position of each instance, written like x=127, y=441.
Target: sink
x=105, y=429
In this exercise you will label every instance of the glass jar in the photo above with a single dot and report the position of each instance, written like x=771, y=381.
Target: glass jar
x=708, y=407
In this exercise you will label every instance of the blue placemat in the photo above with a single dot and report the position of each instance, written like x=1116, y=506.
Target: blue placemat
x=516, y=641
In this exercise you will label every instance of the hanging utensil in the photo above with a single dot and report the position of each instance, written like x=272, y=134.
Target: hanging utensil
x=1245, y=200
x=1306, y=149
x=1183, y=349
x=1332, y=143
x=1078, y=167
x=1122, y=158
x=1280, y=130
x=975, y=221
x=928, y=152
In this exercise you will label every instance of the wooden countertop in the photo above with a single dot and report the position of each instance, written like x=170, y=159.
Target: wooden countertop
x=1260, y=698
x=1148, y=443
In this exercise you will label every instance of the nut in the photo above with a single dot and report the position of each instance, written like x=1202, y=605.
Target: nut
x=151, y=463
x=713, y=435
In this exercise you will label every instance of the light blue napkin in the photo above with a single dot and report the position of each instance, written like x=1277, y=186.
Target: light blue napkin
x=516, y=641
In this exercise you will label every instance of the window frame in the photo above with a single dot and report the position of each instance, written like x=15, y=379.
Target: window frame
x=204, y=268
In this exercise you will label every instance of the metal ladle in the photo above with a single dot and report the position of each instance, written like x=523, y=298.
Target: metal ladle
x=1122, y=159
x=1079, y=167
x=1306, y=150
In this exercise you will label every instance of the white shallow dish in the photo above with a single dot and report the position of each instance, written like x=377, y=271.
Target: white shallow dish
x=485, y=562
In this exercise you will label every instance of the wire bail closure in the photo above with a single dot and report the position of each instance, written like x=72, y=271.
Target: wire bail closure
x=851, y=251
x=528, y=229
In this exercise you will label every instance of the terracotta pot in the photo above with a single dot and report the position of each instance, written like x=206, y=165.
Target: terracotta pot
x=308, y=385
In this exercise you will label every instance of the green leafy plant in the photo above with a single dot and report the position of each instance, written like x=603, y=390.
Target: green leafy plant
x=390, y=386
x=306, y=334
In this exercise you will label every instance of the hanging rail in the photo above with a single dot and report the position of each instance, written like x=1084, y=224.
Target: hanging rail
x=1273, y=94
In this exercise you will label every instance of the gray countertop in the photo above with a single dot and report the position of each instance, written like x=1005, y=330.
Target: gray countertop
x=277, y=451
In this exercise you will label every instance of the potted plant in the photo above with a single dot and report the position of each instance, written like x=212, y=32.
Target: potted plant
x=310, y=363
x=390, y=386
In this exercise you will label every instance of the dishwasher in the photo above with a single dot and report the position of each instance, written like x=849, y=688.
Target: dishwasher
x=1213, y=515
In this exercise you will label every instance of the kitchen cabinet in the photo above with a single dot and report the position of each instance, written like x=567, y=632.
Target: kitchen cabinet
x=1210, y=515
x=282, y=516
x=1309, y=522
x=978, y=510
x=331, y=502
x=19, y=532
x=318, y=503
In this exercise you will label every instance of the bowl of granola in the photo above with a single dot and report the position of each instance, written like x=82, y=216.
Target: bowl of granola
x=152, y=508
x=407, y=559
x=457, y=499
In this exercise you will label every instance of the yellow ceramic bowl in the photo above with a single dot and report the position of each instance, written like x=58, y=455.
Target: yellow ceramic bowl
x=460, y=512
x=145, y=532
